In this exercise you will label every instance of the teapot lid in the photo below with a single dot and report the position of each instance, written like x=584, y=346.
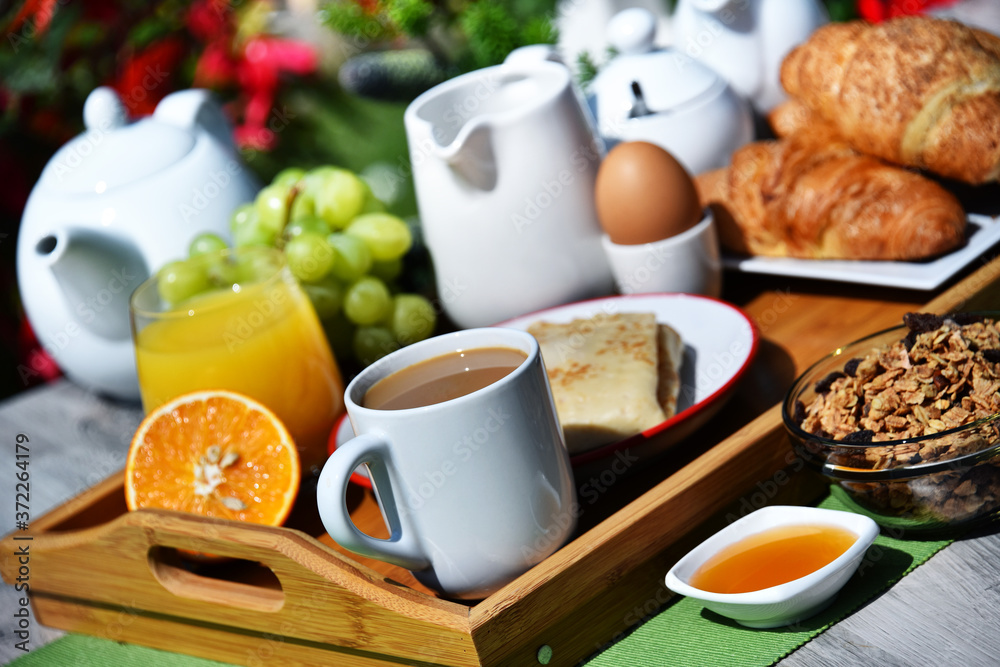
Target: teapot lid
x=667, y=78
x=111, y=152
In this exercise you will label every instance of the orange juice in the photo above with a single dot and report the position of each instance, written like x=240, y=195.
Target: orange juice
x=263, y=340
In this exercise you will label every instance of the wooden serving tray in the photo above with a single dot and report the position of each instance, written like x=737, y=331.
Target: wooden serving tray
x=294, y=597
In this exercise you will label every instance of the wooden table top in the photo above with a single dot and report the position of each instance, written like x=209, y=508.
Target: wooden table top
x=942, y=613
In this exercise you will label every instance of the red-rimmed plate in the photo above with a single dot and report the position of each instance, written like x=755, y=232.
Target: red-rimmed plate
x=720, y=342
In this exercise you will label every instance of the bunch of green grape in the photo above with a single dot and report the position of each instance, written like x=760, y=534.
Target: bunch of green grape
x=344, y=249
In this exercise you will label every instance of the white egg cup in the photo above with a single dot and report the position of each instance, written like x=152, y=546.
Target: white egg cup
x=787, y=603
x=688, y=262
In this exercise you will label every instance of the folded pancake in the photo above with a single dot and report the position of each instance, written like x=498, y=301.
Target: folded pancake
x=670, y=349
x=612, y=376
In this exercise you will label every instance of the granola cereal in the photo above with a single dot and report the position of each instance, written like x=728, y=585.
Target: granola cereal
x=943, y=375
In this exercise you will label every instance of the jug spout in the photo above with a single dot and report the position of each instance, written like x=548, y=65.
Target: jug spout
x=96, y=273
x=471, y=156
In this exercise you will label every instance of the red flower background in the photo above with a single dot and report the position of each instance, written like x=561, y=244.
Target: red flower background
x=144, y=51
x=880, y=10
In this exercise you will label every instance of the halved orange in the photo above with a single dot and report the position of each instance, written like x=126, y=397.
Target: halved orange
x=214, y=453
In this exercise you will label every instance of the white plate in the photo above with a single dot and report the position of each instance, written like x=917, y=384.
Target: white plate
x=984, y=233
x=720, y=341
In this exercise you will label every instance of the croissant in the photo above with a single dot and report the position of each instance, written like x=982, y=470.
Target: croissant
x=797, y=197
x=916, y=91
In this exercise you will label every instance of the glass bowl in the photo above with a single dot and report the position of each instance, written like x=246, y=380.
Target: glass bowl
x=927, y=484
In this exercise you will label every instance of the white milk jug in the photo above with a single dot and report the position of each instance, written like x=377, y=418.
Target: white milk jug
x=504, y=162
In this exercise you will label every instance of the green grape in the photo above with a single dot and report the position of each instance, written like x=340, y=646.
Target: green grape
x=327, y=295
x=180, y=280
x=387, y=270
x=303, y=206
x=339, y=198
x=222, y=273
x=253, y=267
x=289, y=176
x=354, y=259
x=387, y=236
x=314, y=178
x=373, y=343
x=254, y=235
x=306, y=224
x=246, y=228
x=413, y=318
x=241, y=216
x=206, y=243
x=309, y=256
x=272, y=206
x=308, y=187
x=220, y=269
x=367, y=301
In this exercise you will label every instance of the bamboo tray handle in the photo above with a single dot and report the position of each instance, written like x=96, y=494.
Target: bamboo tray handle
x=299, y=562
x=261, y=595
x=316, y=594
x=128, y=562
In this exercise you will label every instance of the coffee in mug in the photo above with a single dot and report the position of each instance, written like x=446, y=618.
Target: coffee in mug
x=467, y=459
x=443, y=378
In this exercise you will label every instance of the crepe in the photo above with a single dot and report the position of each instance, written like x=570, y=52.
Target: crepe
x=612, y=376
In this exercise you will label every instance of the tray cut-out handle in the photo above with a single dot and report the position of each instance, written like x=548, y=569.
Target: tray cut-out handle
x=168, y=568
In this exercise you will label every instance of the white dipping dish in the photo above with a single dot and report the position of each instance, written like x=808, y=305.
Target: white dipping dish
x=688, y=262
x=789, y=602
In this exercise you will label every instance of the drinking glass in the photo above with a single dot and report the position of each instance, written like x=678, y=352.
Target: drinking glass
x=257, y=334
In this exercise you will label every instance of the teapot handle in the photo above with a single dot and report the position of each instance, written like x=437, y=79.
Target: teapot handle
x=190, y=109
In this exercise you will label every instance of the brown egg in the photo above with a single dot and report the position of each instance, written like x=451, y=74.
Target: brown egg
x=643, y=194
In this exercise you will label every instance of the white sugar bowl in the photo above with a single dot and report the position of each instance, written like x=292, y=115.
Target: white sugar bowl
x=667, y=98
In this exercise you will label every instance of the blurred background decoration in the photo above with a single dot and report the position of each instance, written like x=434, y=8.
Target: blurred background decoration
x=304, y=83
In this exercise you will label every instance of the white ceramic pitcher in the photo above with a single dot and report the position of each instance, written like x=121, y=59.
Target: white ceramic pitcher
x=504, y=162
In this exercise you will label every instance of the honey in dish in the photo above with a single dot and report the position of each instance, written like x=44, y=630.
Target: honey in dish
x=772, y=557
x=443, y=378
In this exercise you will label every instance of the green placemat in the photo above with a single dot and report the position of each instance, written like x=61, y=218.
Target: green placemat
x=85, y=651
x=684, y=633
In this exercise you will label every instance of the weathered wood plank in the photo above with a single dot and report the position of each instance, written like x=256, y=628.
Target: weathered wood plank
x=943, y=613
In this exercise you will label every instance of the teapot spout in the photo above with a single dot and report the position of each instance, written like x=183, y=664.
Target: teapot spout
x=97, y=273
x=471, y=156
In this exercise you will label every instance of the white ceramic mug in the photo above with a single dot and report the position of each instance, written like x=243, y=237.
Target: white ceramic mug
x=475, y=490
x=688, y=262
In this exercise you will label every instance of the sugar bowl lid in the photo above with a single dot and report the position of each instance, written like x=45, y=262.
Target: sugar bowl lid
x=642, y=79
x=111, y=151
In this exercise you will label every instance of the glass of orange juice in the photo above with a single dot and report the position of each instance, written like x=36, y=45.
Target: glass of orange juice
x=255, y=332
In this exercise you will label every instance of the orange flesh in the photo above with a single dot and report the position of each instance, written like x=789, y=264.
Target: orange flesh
x=163, y=464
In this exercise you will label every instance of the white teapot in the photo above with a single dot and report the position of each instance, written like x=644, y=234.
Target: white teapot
x=110, y=208
x=746, y=40
x=666, y=98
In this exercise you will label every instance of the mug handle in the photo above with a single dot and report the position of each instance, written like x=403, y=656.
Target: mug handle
x=401, y=548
